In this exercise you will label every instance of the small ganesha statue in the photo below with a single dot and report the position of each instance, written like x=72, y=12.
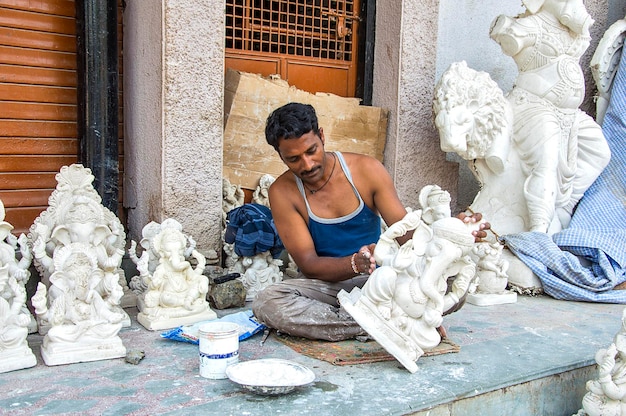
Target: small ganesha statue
x=404, y=300
x=15, y=317
x=176, y=291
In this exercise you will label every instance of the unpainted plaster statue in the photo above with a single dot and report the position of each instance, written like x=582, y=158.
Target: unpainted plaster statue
x=490, y=284
x=148, y=234
x=604, y=64
x=403, y=302
x=260, y=195
x=17, y=269
x=16, y=320
x=562, y=149
x=232, y=197
x=491, y=276
x=76, y=215
x=81, y=307
x=261, y=271
x=535, y=152
x=606, y=395
x=176, y=291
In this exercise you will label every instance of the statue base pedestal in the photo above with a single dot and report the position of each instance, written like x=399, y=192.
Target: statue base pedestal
x=43, y=326
x=488, y=299
x=17, y=358
x=389, y=337
x=157, y=323
x=58, y=353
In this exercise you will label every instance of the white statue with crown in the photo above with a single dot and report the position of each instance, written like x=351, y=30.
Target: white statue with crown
x=78, y=246
x=15, y=317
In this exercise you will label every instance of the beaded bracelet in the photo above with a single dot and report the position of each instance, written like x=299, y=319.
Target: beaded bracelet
x=353, y=264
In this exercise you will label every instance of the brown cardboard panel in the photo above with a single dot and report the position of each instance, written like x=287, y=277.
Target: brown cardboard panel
x=250, y=98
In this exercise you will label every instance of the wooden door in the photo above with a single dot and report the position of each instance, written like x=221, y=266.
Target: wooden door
x=312, y=44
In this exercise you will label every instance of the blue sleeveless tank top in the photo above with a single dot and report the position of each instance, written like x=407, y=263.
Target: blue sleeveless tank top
x=343, y=236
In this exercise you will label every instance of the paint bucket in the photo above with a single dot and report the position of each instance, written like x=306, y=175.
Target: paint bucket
x=219, y=348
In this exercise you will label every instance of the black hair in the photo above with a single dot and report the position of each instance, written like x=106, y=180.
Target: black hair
x=290, y=121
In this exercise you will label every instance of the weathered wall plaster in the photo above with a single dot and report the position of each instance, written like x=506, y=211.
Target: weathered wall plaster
x=176, y=115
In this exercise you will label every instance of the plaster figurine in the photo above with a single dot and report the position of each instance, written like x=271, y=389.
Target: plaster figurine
x=76, y=215
x=176, y=291
x=148, y=233
x=561, y=148
x=81, y=307
x=232, y=197
x=16, y=320
x=606, y=395
x=262, y=270
x=17, y=269
x=260, y=195
x=404, y=300
x=604, y=64
x=491, y=276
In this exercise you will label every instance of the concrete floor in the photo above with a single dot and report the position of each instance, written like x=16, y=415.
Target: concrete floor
x=528, y=358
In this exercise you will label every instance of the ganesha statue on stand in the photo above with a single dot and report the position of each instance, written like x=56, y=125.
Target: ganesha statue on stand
x=81, y=308
x=15, y=318
x=176, y=291
x=404, y=300
x=76, y=216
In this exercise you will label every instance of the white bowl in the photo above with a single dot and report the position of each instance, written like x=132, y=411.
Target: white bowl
x=270, y=376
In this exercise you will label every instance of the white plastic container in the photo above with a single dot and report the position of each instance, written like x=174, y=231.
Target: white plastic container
x=219, y=348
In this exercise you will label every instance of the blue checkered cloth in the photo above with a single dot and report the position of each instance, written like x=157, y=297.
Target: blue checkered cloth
x=588, y=259
x=251, y=229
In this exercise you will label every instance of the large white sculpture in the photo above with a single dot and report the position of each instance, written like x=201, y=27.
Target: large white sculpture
x=534, y=153
x=403, y=302
x=78, y=246
x=14, y=315
x=75, y=214
x=562, y=149
x=606, y=395
x=175, y=291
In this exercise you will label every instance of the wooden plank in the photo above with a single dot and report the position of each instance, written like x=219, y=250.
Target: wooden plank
x=25, y=197
x=37, y=40
x=36, y=93
x=19, y=74
x=27, y=180
x=41, y=146
x=56, y=7
x=35, y=163
x=24, y=19
x=249, y=99
x=38, y=111
x=34, y=128
x=37, y=57
x=22, y=218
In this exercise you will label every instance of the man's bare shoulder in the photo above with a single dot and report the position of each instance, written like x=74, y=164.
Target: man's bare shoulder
x=284, y=187
x=360, y=159
x=364, y=164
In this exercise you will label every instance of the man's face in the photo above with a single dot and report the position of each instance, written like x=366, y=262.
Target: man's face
x=304, y=156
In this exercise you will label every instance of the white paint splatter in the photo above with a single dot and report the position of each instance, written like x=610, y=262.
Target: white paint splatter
x=533, y=331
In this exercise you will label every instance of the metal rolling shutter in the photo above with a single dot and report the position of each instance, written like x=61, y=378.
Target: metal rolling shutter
x=37, y=103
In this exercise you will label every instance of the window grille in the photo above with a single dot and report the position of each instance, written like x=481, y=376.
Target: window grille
x=307, y=28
